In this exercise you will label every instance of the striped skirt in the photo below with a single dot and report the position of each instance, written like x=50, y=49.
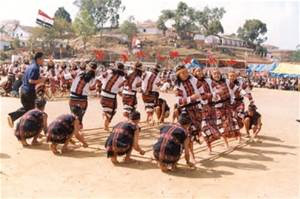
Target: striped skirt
x=149, y=100
x=108, y=102
x=209, y=129
x=82, y=103
x=129, y=102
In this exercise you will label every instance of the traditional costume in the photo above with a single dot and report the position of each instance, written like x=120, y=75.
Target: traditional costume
x=31, y=124
x=120, y=141
x=169, y=145
x=61, y=129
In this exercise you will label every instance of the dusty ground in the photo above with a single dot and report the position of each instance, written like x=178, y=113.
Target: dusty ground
x=259, y=170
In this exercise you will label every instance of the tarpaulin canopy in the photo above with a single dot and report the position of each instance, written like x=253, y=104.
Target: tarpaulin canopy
x=261, y=67
x=287, y=70
x=195, y=64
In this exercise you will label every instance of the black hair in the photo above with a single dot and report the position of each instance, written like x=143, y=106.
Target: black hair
x=76, y=110
x=88, y=76
x=38, y=55
x=40, y=103
x=184, y=119
x=134, y=115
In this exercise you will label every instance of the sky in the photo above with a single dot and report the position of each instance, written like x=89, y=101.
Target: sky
x=281, y=16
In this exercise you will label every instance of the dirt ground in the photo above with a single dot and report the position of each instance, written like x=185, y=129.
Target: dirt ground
x=270, y=169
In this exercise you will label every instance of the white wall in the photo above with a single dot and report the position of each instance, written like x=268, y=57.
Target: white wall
x=3, y=44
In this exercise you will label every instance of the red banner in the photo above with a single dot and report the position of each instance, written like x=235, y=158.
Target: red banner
x=99, y=55
x=124, y=57
x=231, y=62
x=140, y=54
x=160, y=57
x=187, y=60
x=173, y=54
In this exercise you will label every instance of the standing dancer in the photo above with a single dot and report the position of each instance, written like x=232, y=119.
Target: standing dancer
x=188, y=94
x=220, y=101
x=112, y=82
x=150, y=85
x=237, y=106
x=132, y=83
x=80, y=90
x=209, y=129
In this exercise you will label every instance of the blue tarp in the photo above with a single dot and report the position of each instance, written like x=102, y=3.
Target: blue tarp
x=195, y=64
x=261, y=67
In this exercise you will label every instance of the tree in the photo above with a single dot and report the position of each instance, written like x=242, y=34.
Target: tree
x=62, y=28
x=187, y=19
x=102, y=12
x=84, y=26
x=209, y=20
x=16, y=43
x=129, y=28
x=183, y=17
x=63, y=14
x=295, y=56
x=161, y=25
x=253, y=32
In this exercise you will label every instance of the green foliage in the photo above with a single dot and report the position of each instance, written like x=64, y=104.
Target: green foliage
x=187, y=19
x=102, y=12
x=253, y=32
x=84, y=25
x=129, y=28
x=295, y=56
x=63, y=14
x=209, y=20
x=16, y=43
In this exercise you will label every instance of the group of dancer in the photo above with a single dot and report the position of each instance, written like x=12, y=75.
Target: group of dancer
x=208, y=107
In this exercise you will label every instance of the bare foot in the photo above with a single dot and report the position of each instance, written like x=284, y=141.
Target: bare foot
x=163, y=168
x=53, y=149
x=10, y=122
x=129, y=160
x=35, y=143
x=65, y=149
x=114, y=160
x=24, y=143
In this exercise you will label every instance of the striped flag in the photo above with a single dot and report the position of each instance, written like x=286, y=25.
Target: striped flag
x=44, y=20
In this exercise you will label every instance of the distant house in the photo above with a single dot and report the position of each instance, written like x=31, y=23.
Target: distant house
x=148, y=27
x=13, y=29
x=212, y=40
x=229, y=41
x=270, y=48
x=5, y=42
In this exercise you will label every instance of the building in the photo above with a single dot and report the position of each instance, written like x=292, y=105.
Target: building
x=148, y=27
x=5, y=42
x=13, y=29
x=270, y=48
x=229, y=41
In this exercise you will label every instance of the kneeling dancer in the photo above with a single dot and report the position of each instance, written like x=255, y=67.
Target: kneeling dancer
x=173, y=139
x=32, y=123
x=62, y=129
x=124, y=137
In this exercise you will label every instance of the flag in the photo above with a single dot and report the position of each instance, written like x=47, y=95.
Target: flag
x=211, y=59
x=44, y=20
x=173, y=54
x=159, y=57
x=124, y=57
x=140, y=54
x=187, y=60
x=99, y=55
x=231, y=62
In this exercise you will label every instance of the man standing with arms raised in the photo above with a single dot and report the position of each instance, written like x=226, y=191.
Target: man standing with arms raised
x=28, y=94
